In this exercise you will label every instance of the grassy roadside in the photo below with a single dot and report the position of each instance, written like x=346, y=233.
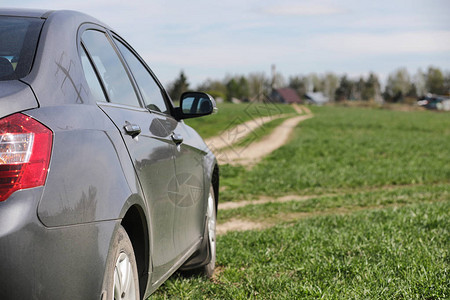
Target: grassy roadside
x=230, y=115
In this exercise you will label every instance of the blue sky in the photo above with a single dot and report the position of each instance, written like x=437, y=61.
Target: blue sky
x=212, y=39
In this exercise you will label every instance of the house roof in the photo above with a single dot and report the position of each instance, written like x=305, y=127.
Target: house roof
x=289, y=95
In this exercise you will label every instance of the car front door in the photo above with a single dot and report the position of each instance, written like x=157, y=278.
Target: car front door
x=186, y=187
x=147, y=136
x=192, y=192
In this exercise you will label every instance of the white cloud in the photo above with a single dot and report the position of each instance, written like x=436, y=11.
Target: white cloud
x=389, y=22
x=394, y=43
x=310, y=9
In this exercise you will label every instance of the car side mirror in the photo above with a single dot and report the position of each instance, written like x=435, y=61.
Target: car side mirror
x=195, y=104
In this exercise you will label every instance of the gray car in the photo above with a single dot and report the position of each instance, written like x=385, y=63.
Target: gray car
x=104, y=190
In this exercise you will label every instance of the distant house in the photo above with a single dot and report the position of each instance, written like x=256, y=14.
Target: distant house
x=285, y=95
x=316, y=98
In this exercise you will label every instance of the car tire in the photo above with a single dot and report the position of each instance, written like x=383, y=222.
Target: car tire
x=121, y=277
x=211, y=217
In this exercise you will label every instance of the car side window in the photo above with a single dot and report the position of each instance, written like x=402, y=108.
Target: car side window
x=110, y=68
x=150, y=90
x=91, y=78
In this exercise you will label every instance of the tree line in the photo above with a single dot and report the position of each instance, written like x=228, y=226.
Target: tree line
x=400, y=86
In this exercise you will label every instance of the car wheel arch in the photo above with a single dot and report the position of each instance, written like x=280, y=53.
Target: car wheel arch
x=135, y=224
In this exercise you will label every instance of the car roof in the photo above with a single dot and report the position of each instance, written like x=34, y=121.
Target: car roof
x=45, y=14
x=21, y=12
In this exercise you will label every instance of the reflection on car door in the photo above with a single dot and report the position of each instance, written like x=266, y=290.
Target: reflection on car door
x=147, y=137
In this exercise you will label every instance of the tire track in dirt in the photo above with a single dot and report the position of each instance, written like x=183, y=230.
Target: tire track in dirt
x=242, y=224
x=294, y=197
x=265, y=199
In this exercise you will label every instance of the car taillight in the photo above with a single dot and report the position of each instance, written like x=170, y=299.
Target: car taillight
x=25, y=148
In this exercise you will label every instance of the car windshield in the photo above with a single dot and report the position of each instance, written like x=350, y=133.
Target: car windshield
x=18, y=41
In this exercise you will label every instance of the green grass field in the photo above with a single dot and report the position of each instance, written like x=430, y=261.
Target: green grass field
x=375, y=224
x=391, y=253
x=347, y=148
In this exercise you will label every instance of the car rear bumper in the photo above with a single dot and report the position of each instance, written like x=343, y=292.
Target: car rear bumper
x=49, y=263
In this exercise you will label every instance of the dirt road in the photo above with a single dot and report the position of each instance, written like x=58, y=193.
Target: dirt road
x=237, y=133
x=250, y=155
x=253, y=153
x=226, y=153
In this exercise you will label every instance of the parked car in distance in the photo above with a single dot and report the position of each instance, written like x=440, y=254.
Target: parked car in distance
x=104, y=190
x=437, y=102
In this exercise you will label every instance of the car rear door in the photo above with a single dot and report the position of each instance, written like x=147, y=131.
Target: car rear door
x=147, y=137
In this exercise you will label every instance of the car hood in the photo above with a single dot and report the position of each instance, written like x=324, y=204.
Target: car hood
x=15, y=96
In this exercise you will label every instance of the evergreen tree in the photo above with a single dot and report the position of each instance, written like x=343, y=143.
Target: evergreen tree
x=237, y=87
x=345, y=89
x=178, y=87
x=371, y=87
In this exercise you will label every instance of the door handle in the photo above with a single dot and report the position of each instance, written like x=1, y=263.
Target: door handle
x=177, y=138
x=132, y=129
